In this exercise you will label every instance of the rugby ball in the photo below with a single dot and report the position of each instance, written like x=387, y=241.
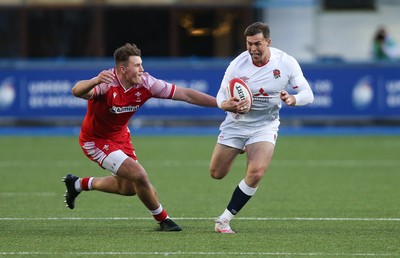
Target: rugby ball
x=239, y=89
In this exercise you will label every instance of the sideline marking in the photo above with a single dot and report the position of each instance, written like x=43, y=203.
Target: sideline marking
x=199, y=253
x=41, y=194
x=204, y=218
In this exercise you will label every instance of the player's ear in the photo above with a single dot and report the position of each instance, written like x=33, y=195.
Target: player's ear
x=122, y=69
x=268, y=42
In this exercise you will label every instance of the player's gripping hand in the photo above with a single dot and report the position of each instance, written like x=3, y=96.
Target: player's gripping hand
x=234, y=105
x=289, y=100
x=104, y=76
x=84, y=88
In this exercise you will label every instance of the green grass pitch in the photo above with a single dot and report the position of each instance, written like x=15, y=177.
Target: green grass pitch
x=322, y=197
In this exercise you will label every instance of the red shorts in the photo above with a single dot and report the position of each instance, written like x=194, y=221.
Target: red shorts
x=99, y=149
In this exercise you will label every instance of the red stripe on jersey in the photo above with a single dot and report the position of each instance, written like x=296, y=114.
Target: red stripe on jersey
x=295, y=87
x=94, y=93
x=172, y=91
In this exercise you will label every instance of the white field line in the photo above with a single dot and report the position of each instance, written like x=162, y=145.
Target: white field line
x=26, y=194
x=205, y=163
x=202, y=218
x=198, y=253
x=201, y=253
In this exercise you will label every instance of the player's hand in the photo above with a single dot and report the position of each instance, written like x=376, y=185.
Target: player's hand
x=289, y=100
x=234, y=105
x=105, y=76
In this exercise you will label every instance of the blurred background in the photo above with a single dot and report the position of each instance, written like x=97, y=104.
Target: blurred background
x=349, y=51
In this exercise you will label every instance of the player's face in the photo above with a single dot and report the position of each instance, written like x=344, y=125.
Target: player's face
x=258, y=48
x=133, y=71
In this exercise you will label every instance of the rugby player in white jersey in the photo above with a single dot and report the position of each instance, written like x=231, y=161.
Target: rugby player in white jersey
x=270, y=74
x=113, y=97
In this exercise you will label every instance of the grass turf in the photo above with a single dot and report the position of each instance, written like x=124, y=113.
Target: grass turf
x=322, y=197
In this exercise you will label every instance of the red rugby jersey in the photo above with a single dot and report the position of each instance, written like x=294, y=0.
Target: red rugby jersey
x=111, y=106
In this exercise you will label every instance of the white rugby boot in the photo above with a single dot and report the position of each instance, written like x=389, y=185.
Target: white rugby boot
x=222, y=226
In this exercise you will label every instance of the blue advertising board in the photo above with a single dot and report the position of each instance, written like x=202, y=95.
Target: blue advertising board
x=31, y=93
x=342, y=91
x=352, y=92
x=46, y=94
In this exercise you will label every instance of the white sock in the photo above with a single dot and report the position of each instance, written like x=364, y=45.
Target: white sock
x=78, y=185
x=227, y=215
x=245, y=189
x=156, y=211
x=90, y=183
x=250, y=191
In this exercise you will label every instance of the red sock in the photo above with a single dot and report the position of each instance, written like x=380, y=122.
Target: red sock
x=161, y=216
x=85, y=183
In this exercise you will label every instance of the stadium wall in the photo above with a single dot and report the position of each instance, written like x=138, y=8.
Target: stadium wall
x=38, y=92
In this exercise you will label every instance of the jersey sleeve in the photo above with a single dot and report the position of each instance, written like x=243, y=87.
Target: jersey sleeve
x=299, y=83
x=102, y=88
x=159, y=88
x=222, y=94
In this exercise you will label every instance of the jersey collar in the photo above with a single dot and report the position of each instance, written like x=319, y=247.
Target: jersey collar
x=119, y=82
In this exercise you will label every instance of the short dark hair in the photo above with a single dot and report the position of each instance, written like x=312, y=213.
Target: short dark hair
x=122, y=54
x=257, y=27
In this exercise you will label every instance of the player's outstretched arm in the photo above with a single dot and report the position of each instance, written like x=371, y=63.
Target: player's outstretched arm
x=303, y=97
x=194, y=97
x=289, y=100
x=84, y=88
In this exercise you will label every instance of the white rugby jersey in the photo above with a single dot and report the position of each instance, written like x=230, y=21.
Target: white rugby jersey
x=282, y=72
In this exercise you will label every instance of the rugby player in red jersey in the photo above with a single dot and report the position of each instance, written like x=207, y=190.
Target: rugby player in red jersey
x=114, y=96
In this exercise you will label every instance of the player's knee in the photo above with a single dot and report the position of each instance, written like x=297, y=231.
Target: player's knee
x=125, y=187
x=216, y=174
x=133, y=173
x=256, y=176
x=127, y=192
x=140, y=178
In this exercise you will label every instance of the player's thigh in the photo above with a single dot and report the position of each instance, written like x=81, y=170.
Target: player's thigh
x=259, y=156
x=222, y=160
x=260, y=148
x=132, y=170
x=130, y=175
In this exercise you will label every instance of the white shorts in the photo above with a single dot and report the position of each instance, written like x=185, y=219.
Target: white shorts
x=238, y=138
x=114, y=160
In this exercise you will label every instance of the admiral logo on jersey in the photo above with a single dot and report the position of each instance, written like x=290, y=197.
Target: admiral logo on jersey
x=119, y=110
